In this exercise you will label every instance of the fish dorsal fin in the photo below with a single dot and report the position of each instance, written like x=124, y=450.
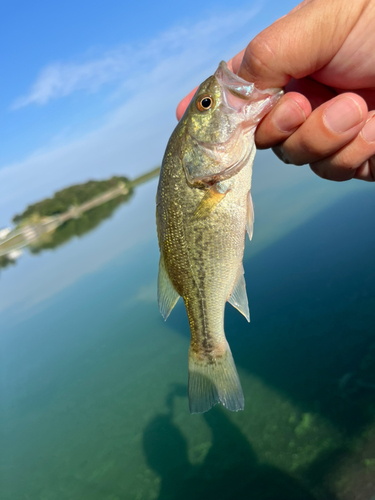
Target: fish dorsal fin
x=238, y=297
x=209, y=202
x=250, y=216
x=167, y=295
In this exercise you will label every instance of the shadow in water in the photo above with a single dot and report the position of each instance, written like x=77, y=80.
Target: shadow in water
x=230, y=468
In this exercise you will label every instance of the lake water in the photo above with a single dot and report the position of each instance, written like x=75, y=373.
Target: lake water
x=93, y=382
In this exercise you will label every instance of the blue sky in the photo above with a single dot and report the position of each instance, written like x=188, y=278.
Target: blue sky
x=89, y=88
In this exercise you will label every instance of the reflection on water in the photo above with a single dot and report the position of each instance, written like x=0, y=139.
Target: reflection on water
x=93, y=384
x=79, y=226
x=73, y=211
x=6, y=261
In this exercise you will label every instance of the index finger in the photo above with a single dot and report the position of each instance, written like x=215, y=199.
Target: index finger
x=300, y=43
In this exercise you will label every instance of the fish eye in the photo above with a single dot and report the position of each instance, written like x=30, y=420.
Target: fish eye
x=204, y=102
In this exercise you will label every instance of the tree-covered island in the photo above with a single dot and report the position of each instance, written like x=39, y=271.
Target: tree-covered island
x=72, y=196
x=70, y=212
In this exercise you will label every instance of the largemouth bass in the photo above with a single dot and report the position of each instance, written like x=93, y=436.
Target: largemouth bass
x=204, y=209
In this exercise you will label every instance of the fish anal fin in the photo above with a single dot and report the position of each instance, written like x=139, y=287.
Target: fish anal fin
x=213, y=381
x=209, y=202
x=167, y=295
x=238, y=297
x=250, y=216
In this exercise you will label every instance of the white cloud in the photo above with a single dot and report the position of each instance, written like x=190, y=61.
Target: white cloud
x=132, y=138
x=60, y=79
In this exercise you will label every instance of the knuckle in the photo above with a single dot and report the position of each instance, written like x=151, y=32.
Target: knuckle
x=328, y=173
x=321, y=172
x=279, y=152
x=332, y=170
x=297, y=155
x=309, y=149
x=345, y=161
x=304, y=147
x=371, y=162
x=260, y=56
x=366, y=171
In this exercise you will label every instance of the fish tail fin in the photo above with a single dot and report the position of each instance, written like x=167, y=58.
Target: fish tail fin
x=214, y=380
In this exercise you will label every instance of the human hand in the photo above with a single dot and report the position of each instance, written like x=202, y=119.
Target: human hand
x=323, y=53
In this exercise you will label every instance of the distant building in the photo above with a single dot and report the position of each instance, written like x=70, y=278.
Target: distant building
x=29, y=233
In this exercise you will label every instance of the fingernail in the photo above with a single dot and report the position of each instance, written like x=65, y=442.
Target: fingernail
x=342, y=115
x=288, y=116
x=368, y=131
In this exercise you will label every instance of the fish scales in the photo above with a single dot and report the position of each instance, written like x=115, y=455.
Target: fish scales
x=203, y=209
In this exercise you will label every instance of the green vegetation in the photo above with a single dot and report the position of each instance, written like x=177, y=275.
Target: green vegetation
x=78, y=227
x=369, y=462
x=81, y=208
x=5, y=261
x=305, y=425
x=68, y=197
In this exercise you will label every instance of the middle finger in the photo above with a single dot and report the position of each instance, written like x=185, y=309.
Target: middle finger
x=329, y=127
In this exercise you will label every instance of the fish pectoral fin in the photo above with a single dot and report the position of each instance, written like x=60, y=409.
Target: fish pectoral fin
x=238, y=297
x=250, y=216
x=167, y=295
x=209, y=202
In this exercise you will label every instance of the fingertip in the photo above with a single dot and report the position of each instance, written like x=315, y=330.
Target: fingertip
x=344, y=113
x=301, y=101
x=184, y=104
x=290, y=113
x=180, y=110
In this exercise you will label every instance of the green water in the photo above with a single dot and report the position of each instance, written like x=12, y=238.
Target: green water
x=93, y=382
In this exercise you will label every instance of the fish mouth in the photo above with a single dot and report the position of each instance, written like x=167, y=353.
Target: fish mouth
x=250, y=104
x=243, y=97
x=235, y=84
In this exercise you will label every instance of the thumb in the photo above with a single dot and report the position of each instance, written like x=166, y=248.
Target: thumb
x=300, y=43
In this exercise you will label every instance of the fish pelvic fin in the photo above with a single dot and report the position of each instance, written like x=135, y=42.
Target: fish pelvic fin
x=209, y=202
x=167, y=295
x=214, y=380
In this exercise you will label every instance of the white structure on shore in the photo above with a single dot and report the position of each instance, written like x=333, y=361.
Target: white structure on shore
x=4, y=233
x=14, y=254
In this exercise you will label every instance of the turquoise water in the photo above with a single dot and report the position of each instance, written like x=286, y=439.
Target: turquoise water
x=93, y=382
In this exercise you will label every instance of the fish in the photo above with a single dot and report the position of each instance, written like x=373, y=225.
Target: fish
x=203, y=211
